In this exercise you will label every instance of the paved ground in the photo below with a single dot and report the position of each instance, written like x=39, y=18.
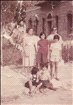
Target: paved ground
x=13, y=91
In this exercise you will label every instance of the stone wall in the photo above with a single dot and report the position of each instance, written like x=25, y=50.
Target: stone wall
x=61, y=10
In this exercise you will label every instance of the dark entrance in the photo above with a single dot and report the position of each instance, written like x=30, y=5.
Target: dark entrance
x=49, y=27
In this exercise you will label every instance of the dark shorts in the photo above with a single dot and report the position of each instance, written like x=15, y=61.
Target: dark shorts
x=34, y=83
x=41, y=58
x=46, y=84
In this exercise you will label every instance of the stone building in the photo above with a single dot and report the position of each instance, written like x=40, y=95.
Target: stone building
x=46, y=14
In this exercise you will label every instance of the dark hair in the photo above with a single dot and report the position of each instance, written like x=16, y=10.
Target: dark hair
x=42, y=34
x=44, y=65
x=56, y=37
x=34, y=70
x=53, y=28
x=27, y=30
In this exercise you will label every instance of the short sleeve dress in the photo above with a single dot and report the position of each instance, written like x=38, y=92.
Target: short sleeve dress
x=55, y=54
x=30, y=46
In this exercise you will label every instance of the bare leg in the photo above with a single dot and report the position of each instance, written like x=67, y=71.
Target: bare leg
x=37, y=87
x=56, y=69
x=51, y=69
x=30, y=86
x=25, y=70
x=38, y=65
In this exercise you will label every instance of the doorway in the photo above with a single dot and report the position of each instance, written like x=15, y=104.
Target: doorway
x=49, y=27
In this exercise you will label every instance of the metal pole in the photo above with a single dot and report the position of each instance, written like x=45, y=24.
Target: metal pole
x=1, y=53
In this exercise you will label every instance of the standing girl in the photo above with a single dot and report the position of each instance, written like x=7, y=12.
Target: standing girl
x=55, y=50
x=42, y=50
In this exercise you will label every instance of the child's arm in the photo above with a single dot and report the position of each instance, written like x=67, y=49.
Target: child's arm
x=37, y=87
x=60, y=53
x=39, y=75
x=48, y=53
x=50, y=50
x=37, y=48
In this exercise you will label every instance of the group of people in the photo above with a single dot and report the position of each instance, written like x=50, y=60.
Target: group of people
x=39, y=52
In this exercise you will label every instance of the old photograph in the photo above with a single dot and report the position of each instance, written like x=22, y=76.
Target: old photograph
x=36, y=52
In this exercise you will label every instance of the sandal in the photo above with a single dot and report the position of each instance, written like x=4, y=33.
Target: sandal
x=54, y=89
x=57, y=79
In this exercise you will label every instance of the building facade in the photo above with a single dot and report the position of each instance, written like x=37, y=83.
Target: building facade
x=46, y=14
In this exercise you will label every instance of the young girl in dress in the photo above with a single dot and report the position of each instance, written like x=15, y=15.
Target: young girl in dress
x=55, y=56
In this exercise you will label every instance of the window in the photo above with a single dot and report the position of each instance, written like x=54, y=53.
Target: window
x=69, y=19
x=30, y=23
x=56, y=22
x=36, y=21
x=49, y=16
x=43, y=25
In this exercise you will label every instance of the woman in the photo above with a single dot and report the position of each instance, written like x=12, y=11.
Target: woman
x=29, y=46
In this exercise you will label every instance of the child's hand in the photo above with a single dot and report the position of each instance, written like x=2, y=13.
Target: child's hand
x=48, y=59
x=50, y=50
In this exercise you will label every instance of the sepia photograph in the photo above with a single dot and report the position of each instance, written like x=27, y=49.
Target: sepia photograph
x=36, y=52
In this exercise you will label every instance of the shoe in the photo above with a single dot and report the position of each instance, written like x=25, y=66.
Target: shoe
x=57, y=79
x=54, y=89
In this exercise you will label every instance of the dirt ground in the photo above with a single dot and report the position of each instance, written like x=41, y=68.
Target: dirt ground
x=13, y=91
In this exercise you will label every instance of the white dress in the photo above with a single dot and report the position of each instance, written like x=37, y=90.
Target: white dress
x=30, y=46
x=55, y=54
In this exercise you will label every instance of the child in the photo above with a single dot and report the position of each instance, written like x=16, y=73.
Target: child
x=39, y=79
x=42, y=50
x=55, y=56
x=44, y=78
x=33, y=79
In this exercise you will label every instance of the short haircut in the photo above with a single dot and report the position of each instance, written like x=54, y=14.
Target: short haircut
x=42, y=34
x=56, y=37
x=27, y=30
x=44, y=65
x=34, y=70
x=54, y=28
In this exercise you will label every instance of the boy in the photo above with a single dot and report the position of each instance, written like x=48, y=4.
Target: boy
x=55, y=56
x=33, y=80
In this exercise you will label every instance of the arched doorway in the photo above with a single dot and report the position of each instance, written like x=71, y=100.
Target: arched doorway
x=56, y=22
x=49, y=27
x=30, y=23
x=69, y=23
x=43, y=25
x=49, y=22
